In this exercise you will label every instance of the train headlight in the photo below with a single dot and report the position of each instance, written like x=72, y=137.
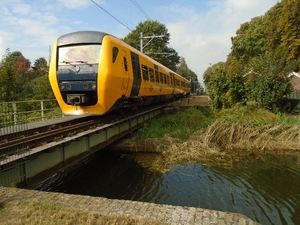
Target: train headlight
x=93, y=86
x=61, y=86
x=68, y=86
x=85, y=86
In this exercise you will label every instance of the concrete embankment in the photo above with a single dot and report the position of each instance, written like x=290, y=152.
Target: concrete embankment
x=163, y=213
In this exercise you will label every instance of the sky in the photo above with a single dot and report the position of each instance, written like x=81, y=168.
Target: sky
x=200, y=30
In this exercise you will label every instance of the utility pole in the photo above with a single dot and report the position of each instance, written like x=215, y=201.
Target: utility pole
x=152, y=37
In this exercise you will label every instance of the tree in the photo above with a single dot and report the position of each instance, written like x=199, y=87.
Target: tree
x=250, y=40
x=271, y=24
x=12, y=68
x=7, y=82
x=267, y=82
x=289, y=27
x=215, y=81
x=183, y=69
x=264, y=51
x=157, y=48
x=41, y=67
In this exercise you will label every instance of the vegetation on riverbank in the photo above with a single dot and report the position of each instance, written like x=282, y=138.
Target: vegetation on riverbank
x=230, y=137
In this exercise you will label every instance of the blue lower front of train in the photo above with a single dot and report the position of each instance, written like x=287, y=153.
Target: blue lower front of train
x=78, y=89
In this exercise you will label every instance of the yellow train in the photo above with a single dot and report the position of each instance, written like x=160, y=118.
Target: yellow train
x=95, y=73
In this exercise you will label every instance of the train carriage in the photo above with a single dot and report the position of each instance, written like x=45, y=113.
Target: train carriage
x=94, y=73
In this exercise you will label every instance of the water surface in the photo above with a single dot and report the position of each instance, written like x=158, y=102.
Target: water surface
x=268, y=192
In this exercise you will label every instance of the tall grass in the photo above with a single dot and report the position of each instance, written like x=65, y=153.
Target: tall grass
x=230, y=137
x=177, y=125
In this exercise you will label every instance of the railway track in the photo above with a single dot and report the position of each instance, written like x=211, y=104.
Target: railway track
x=20, y=142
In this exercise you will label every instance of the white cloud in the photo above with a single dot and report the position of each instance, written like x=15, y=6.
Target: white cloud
x=75, y=4
x=2, y=47
x=4, y=37
x=201, y=34
x=203, y=38
x=22, y=9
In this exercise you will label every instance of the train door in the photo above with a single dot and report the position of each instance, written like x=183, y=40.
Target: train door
x=125, y=80
x=136, y=75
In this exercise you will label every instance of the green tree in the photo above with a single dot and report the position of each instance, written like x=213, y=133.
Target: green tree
x=157, y=48
x=250, y=40
x=40, y=66
x=235, y=73
x=38, y=88
x=215, y=81
x=271, y=24
x=267, y=81
x=264, y=51
x=12, y=72
x=289, y=21
x=183, y=69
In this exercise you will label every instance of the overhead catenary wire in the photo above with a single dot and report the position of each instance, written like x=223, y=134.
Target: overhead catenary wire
x=141, y=9
x=111, y=15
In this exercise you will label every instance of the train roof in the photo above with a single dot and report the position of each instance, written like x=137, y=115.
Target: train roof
x=81, y=37
x=96, y=37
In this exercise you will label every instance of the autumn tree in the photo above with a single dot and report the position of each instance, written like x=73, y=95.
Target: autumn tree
x=249, y=40
x=157, y=47
x=289, y=21
x=271, y=26
x=19, y=82
x=13, y=74
x=264, y=51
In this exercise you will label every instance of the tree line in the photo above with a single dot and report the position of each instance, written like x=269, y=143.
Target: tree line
x=264, y=52
x=19, y=80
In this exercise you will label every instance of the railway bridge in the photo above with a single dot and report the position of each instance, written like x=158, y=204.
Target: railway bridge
x=29, y=153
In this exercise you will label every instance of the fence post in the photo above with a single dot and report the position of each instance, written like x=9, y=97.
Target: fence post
x=42, y=110
x=15, y=114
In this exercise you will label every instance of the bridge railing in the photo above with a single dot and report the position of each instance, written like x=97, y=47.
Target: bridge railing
x=21, y=112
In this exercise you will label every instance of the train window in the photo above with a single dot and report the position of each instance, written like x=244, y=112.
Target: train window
x=79, y=54
x=156, y=76
x=161, y=76
x=115, y=52
x=171, y=78
x=145, y=72
x=125, y=64
x=165, y=78
x=151, y=73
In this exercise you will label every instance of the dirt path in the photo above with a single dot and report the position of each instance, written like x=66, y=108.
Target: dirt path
x=202, y=100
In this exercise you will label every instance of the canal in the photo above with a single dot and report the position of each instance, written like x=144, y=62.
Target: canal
x=268, y=192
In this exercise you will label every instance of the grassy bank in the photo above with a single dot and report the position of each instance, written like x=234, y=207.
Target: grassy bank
x=41, y=212
x=228, y=138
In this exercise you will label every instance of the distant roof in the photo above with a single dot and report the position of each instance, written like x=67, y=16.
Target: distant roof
x=297, y=74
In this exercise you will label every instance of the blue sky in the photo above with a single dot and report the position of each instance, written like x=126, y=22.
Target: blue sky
x=200, y=29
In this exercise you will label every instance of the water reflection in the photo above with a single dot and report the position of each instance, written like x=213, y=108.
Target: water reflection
x=267, y=192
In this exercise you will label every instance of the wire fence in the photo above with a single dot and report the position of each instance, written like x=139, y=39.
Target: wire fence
x=14, y=119
x=22, y=112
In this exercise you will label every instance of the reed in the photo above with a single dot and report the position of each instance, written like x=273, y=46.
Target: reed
x=235, y=137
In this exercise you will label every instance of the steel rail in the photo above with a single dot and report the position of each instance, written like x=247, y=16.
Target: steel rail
x=20, y=144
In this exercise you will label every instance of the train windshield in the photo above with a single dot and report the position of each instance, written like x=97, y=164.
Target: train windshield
x=79, y=54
